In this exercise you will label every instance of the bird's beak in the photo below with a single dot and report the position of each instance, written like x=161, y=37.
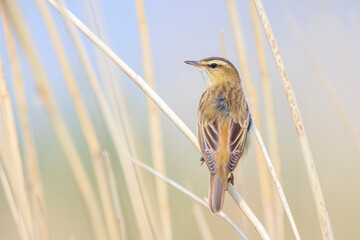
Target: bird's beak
x=194, y=63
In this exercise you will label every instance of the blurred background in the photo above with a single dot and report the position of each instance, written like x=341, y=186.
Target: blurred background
x=320, y=45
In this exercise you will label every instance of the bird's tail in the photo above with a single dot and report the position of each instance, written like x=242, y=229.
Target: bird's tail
x=218, y=183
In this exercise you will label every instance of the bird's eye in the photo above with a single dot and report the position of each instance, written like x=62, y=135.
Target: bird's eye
x=213, y=65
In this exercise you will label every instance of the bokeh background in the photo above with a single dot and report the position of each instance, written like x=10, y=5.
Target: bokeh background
x=326, y=31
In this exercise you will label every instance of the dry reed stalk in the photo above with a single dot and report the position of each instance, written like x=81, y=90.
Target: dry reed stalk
x=143, y=85
x=5, y=174
x=122, y=118
x=323, y=215
x=268, y=93
x=272, y=135
x=36, y=192
x=11, y=158
x=247, y=211
x=277, y=183
x=190, y=194
x=154, y=122
x=18, y=219
x=116, y=135
x=201, y=221
x=6, y=183
x=128, y=71
x=344, y=117
x=84, y=120
x=119, y=108
x=110, y=77
x=61, y=131
x=10, y=197
x=265, y=186
x=222, y=44
x=114, y=194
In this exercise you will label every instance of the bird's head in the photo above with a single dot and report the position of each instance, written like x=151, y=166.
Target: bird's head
x=216, y=69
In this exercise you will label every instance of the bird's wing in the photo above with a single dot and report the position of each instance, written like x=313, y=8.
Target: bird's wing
x=211, y=110
x=240, y=124
x=208, y=137
x=238, y=140
x=208, y=131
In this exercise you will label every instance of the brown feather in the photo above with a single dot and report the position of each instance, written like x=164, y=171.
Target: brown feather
x=223, y=124
x=217, y=189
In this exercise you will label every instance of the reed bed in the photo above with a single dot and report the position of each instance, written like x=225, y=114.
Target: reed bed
x=120, y=142
x=124, y=209
x=36, y=192
x=141, y=83
x=120, y=111
x=205, y=203
x=56, y=119
x=11, y=160
x=163, y=106
x=85, y=122
x=18, y=219
x=12, y=177
x=252, y=93
x=109, y=172
x=272, y=136
x=55, y=116
x=154, y=123
x=323, y=215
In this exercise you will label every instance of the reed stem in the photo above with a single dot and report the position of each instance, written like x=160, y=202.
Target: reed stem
x=265, y=186
x=323, y=215
x=36, y=192
x=119, y=109
x=154, y=122
x=190, y=194
x=272, y=135
x=11, y=158
x=62, y=132
x=84, y=119
x=117, y=136
x=114, y=195
x=153, y=95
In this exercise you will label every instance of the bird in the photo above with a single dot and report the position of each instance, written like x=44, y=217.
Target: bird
x=224, y=124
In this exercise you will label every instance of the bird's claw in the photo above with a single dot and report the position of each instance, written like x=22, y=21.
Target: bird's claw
x=231, y=178
x=202, y=160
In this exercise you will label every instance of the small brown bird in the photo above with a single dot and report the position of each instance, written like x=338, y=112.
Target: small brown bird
x=224, y=123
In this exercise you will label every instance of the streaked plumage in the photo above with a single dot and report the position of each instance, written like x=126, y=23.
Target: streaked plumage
x=223, y=124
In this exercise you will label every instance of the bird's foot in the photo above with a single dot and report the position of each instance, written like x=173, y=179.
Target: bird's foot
x=202, y=160
x=231, y=178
